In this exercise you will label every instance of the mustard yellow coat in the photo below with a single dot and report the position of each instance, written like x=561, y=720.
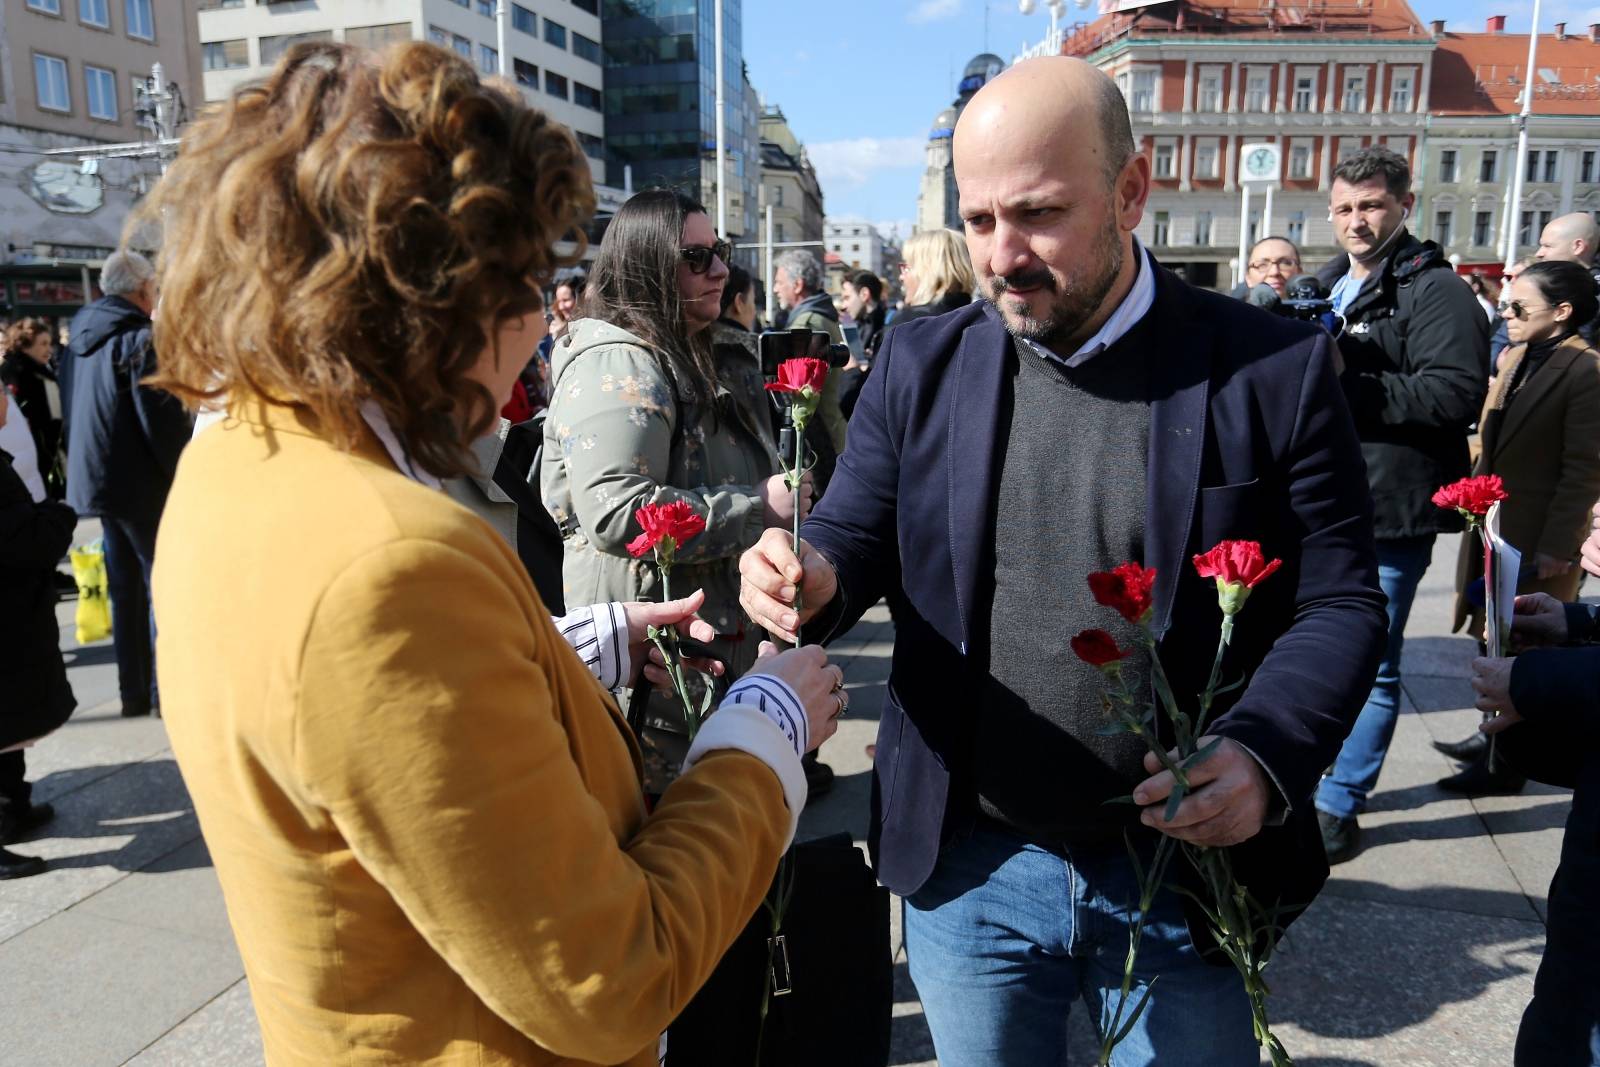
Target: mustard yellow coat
x=425, y=813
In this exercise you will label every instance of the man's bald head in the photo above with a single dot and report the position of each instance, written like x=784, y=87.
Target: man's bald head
x=1051, y=191
x=1572, y=238
x=1052, y=96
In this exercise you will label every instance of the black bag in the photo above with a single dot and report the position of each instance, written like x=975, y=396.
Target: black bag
x=538, y=537
x=830, y=983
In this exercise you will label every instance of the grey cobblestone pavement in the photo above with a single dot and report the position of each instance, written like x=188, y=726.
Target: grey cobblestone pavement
x=1420, y=952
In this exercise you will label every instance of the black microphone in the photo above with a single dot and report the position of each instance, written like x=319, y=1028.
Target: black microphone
x=1262, y=295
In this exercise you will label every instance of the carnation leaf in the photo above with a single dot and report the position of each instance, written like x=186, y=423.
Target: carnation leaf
x=1126, y=798
x=1202, y=755
x=1137, y=1011
x=1178, y=791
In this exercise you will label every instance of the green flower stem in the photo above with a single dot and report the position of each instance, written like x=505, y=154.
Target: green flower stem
x=1163, y=687
x=1210, y=695
x=1148, y=888
x=666, y=640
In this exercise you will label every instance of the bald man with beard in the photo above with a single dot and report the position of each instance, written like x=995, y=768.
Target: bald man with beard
x=1575, y=238
x=1094, y=409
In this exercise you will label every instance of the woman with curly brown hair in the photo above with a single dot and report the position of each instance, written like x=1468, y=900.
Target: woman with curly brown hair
x=27, y=372
x=424, y=810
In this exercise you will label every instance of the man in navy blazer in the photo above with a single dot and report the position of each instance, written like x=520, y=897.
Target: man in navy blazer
x=1094, y=410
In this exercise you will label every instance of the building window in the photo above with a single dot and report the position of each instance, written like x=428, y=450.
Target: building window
x=593, y=147
x=438, y=37
x=1202, y=228
x=524, y=20
x=1300, y=161
x=1482, y=224
x=1305, y=92
x=48, y=7
x=777, y=195
x=1161, y=232
x=95, y=13
x=1400, y=91
x=1441, y=227
x=1257, y=90
x=1205, y=160
x=780, y=233
x=1143, y=96
x=50, y=83
x=1253, y=231
x=226, y=55
x=555, y=84
x=488, y=59
x=1348, y=146
x=1489, y=167
x=1355, y=90
x=526, y=73
x=1447, y=166
x=586, y=48
x=486, y=8
x=555, y=33
x=591, y=6
x=379, y=36
x=1210, y=98
x=273, y=47
x=100, y=90
x=462, y=3
x=1586, y=167
x=1552, y=165
x=1165, y=153
x=141, y=23
x=462, y=46
x=587, y=96
x=1297, y=227
x=1533, y=224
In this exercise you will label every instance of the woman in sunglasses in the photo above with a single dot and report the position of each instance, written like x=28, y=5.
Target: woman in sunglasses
x=639, y=415
x=1540, y=432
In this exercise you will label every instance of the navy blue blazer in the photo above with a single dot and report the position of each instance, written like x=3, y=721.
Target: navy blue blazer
x=1249, y=438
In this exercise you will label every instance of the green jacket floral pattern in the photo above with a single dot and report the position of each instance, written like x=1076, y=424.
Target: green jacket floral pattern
x=620, y=433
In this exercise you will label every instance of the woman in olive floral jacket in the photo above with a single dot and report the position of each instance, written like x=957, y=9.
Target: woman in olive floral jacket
x=638, y=415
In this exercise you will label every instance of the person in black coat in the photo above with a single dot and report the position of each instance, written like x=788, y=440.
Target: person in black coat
x=35, y=697
x=123, y=442
x=1547, y=726
x=28, y=374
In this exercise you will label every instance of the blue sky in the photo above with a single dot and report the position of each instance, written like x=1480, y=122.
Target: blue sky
x=861, y=80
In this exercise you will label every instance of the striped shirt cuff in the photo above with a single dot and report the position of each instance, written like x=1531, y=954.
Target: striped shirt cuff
x=763, y=717
x=599, y=635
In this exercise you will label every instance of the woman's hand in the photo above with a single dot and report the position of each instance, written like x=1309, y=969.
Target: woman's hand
x=777, y=500
x=818, y=684
x=643, y=654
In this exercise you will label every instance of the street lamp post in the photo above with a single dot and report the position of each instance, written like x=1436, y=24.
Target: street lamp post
x=1520, y=163
x=502, y=16
x=722, y=192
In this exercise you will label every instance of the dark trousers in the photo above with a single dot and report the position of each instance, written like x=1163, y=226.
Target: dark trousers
x=15, y=793
x=130, y=553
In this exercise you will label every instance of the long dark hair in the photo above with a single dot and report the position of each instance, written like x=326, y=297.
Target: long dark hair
x=634, y=285
x=1564, y=283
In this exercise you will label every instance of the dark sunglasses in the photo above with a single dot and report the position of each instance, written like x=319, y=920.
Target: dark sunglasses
x=699, y=256
x=1519, y=310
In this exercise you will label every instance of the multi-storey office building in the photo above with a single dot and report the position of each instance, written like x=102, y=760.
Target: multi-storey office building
x=74, y=73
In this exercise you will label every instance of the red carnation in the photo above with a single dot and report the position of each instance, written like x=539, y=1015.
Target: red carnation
x=1099, y=649
x=799, y=375
x=1472, y=496
x=1126, y=588
x=1236, y=563
x=666, y=527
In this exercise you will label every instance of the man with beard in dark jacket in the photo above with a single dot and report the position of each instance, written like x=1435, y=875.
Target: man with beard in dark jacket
x=34, y=695
x=123, y=441
x=1415, y=346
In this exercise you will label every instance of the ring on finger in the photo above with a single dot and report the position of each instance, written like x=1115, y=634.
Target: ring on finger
x=838, y=685
x=844, y=703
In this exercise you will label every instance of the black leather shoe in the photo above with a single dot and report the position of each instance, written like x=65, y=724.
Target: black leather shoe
x=1467, y=750
x=15, y=866
x=1482, y=780
x=135, y=711
x=1341, y=838
x=16, y=827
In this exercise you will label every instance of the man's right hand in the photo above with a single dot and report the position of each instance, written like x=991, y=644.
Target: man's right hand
x=769, y=574
x=1538, y=619
x=1590, y=552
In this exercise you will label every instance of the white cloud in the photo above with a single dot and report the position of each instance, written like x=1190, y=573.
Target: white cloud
x=934, y=10
x=850, y=163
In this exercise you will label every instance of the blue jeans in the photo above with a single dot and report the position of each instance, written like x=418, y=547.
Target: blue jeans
x=1005, y=936
x=1401, y=565
x=130, y=553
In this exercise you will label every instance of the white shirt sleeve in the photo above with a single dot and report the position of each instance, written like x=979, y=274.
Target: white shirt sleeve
x=599, y=635
x=763, y=717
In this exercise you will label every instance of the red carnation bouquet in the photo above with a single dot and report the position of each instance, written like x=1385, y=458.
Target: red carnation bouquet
x=667, y=528
x=1245, y=931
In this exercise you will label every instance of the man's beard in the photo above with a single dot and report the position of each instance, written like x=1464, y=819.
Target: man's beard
x=1073, y=305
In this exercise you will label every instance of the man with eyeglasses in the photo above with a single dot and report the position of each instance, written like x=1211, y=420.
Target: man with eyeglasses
x=1416, y=354
x=1273, y=261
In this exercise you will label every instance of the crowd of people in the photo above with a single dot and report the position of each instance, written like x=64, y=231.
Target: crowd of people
x=424, y=709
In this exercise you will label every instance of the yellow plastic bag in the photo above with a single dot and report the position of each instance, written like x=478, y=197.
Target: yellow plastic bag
x=94, y=601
